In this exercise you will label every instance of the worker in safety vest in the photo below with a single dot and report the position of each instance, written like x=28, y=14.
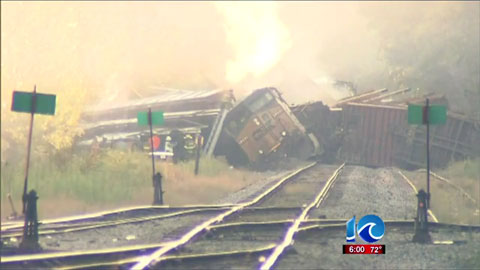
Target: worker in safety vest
x=190, y=145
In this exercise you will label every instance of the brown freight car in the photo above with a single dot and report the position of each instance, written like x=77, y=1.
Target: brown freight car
x=378, y=135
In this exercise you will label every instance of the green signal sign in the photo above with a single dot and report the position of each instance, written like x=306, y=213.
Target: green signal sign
x=157, y=118
x=23, y=101
x=437, y=114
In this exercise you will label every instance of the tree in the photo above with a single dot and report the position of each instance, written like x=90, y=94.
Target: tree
x=433, y=46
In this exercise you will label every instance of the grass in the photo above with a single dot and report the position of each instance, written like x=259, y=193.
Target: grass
x=449, y=204
x=114, y=178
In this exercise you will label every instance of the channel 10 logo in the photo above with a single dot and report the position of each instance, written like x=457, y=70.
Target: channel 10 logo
x=370, y=228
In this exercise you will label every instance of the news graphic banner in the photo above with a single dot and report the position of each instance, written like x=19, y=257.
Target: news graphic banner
x=371, y=229
x=363, y=249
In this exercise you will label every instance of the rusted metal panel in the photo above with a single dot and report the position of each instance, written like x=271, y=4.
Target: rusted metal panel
x=369, y=133
x=379, y=135
x=456, y=140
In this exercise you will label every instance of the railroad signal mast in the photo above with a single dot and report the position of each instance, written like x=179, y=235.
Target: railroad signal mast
x=32, y=103
x=426, y=121
x=425, y=115
x=153, y=118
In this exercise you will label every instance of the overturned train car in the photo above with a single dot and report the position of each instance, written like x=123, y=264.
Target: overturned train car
x=261, y=130
x=376, y=133
x=187, y=114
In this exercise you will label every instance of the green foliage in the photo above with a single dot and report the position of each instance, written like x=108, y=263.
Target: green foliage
x=110, y=177
x=84, y=182
x=432, y=46
x=209, y=166
x=469, y=168
x=448, y=203
x=51, y=134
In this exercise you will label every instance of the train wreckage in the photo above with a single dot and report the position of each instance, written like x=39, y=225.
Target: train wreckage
x=368, y=129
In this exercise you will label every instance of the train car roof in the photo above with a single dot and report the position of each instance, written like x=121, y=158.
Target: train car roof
x=166, y=95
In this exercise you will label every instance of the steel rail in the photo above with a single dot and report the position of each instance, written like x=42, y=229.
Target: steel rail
x=111, y=223
x=288, y=239
x=32, y=258
x=53, y=227
x=76, y=218
x=430, y=213
x=396, y=223
x=273, y=222
x=71, y=254
x=156, y=256
x=318, y=223
x=201, y=256
x=301, y=230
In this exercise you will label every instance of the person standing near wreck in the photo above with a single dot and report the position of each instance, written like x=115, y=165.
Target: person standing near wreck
x=178, y=143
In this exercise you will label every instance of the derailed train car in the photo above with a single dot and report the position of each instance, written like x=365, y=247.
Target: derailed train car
x=376, y=133
x=262, y=129
x=187, y=114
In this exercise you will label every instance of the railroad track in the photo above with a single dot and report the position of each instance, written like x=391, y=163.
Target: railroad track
x=264, y=235
x=72, y=258
x=104, y=230
x=242, y=232
x=257, y=232
x=250, y=258
x=430, y=213
x=109, y=216
x=52, y=228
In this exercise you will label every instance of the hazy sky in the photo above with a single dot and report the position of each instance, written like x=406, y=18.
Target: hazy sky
x=111, y=49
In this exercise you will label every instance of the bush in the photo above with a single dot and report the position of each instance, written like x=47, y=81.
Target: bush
x=115, y=178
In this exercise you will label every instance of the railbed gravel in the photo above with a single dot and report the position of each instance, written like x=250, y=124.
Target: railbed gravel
x=361, y=191
x=323, y=250
x=264, y=181
x=150, y=232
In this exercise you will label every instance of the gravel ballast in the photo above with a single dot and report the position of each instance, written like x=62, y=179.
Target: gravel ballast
x=360, y=191
x=323, y=250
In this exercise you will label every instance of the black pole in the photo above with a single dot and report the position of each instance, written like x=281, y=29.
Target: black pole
x=421, y=223
x=197, y=158
x=29, y=146
x=151, y=141
x=427, y=118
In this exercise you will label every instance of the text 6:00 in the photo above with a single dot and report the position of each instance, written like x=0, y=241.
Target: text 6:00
x=358, y=249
